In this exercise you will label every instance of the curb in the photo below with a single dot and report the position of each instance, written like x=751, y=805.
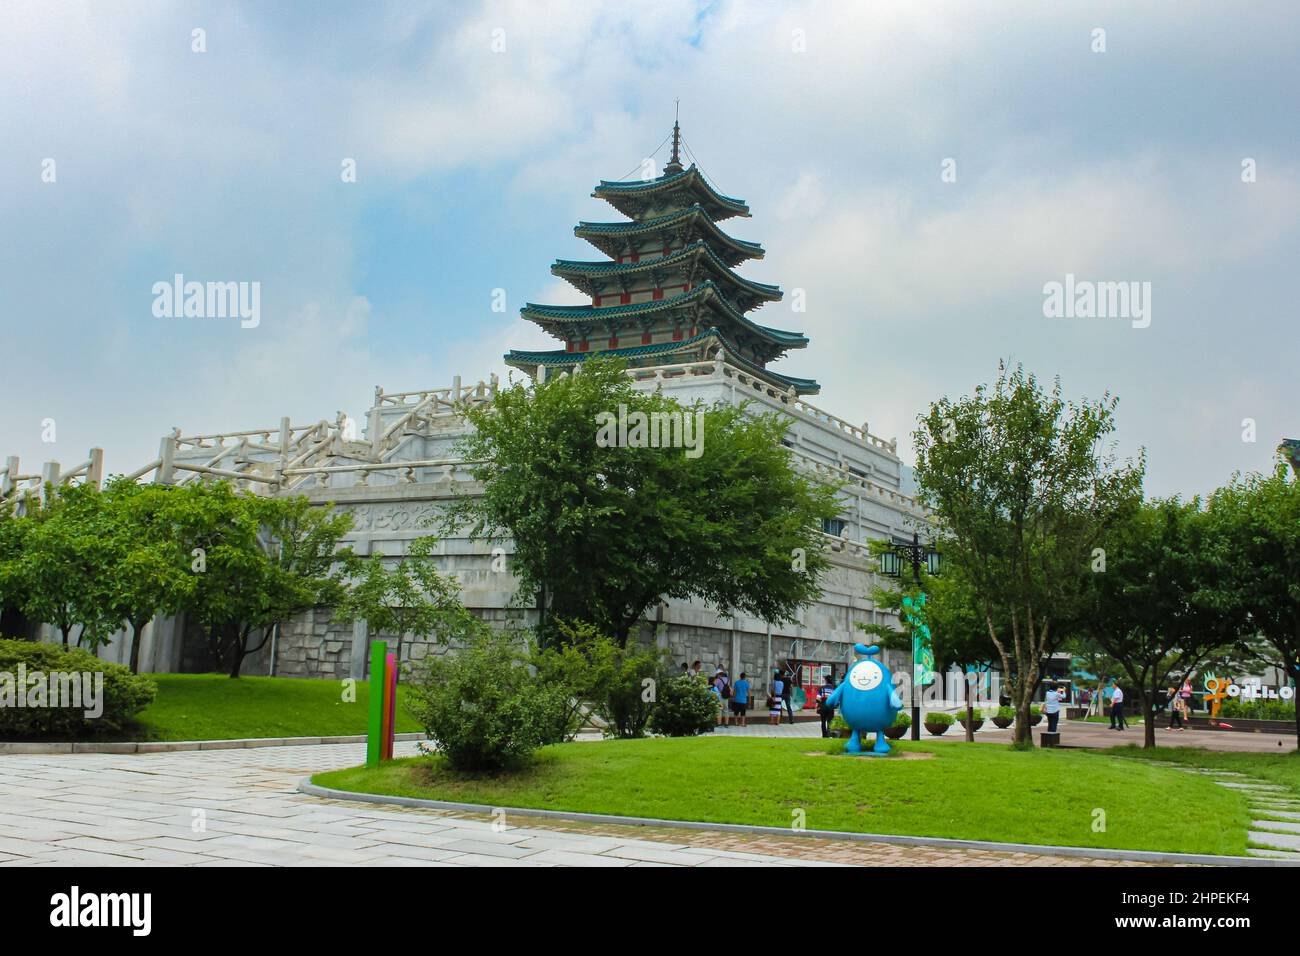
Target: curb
x=172, y=746
x=1144, y=856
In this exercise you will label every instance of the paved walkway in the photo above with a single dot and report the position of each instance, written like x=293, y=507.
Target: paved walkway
x=242, y=808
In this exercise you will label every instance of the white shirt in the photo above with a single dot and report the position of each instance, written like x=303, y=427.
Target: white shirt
x=1052, y=702
x=1117, y=697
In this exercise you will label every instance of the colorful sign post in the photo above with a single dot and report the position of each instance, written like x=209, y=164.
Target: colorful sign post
x=383, y=704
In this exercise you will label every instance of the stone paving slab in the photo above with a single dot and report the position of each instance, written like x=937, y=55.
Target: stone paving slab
x=1278, y=841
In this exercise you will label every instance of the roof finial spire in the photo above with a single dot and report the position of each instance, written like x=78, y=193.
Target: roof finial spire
x=675, y=161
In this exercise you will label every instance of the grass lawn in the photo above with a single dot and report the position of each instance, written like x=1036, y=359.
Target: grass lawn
x=213, y=707
x=959, y=790
x=1281, y=768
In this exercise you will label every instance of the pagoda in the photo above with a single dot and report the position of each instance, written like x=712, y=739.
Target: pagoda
x=668, y=293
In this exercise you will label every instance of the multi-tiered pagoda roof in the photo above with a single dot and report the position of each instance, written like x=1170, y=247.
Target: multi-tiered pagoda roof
x=668, y=291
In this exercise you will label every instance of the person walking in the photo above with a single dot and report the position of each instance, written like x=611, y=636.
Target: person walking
x=824, y=710
x=1117, y=721
x=1185, y=694
x=774, y=699
x=788, y=694
x=740, y=698
x=1175, y=710
x=1052, y=707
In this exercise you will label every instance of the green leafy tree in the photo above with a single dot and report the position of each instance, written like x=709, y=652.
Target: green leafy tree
x=1156, y=608
x=602, y=534
x=255, y=563
x=13, y=530
x=1257, y=520
x=147, y=573
x=1018, y=478
x=407, y=597
x=62, y=571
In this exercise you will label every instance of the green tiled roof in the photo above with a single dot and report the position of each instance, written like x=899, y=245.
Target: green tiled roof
x=706, y=292
x=688, y=179
x=560, y=358
x=572, y=267
x=594, y=230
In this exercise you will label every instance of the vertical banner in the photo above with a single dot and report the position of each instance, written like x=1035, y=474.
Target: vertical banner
x=922, y=652
x=375, y=725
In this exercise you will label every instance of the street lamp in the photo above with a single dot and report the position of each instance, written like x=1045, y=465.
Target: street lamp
x=891, y=564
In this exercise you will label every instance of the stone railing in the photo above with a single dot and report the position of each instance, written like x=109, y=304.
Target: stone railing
x=16, y=486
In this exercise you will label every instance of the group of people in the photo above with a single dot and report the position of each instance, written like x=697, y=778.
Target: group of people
x=735, y=697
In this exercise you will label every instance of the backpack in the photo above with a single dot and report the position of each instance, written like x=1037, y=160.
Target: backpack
x=725, y=688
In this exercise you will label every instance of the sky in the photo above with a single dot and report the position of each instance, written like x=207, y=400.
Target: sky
x=919, y=172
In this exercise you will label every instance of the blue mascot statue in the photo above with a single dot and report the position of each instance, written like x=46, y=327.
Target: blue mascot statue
x=867, y=700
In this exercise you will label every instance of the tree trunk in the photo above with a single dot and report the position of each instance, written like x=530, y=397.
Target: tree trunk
x=1024, y=734
x=135, y=647
x=1149, y=728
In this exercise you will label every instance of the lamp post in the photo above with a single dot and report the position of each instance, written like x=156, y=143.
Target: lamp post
x=891, y=564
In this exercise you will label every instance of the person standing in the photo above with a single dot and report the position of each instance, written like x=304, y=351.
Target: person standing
x=1052, y=708
x=723, y=686
x=695, y=670
x=824, y=710
x=721, y=704
x=740, y=698
x=788, y=694
x=774, y=699
x=1116, y=707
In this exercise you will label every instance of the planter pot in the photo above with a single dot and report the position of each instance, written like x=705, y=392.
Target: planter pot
x=937, y=729
x=1002, y=722
x=893, y=733
x=1035, y=720
x=979, y=722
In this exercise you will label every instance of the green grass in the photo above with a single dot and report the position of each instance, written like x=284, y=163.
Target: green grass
x=964, y=791
x=1281, y=768
x=214, y=707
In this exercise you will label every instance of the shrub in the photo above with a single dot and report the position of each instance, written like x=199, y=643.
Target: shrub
x=902, y=719
x=123, y=694
x=1035, y=711
x=482, y=706
x=938, y=718
x=683, y=707
x=582, y=669
x=1258, y=709
x=839, y=723
x=1006, y=713
x=628, y=700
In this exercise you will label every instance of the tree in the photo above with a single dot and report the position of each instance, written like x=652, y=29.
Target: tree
x=1257, y=521
x=411, y=597
x=147, y=573
x=12, y=532
x=1156, y=605
x=255, y=562
x=1017, y=478
x=62, y=571
x=602, y=532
